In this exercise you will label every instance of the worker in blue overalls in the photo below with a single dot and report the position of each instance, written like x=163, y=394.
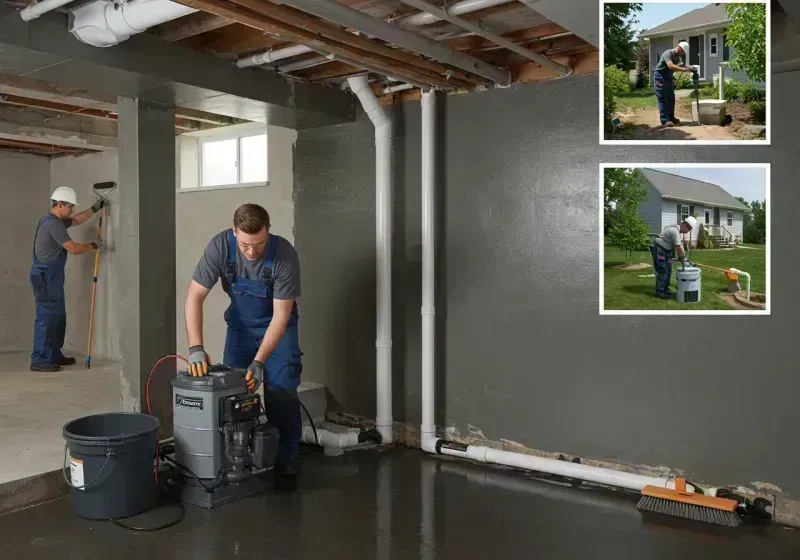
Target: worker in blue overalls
x=260, y=272
x=51, y=243
x=669, y=63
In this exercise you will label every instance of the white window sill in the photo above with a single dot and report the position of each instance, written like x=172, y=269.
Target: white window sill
x=224, y=187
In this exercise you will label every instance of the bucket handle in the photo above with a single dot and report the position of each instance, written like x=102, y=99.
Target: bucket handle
x=109, y=454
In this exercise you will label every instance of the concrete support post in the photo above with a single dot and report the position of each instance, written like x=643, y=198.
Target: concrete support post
x=722, y=66
x=146, y=252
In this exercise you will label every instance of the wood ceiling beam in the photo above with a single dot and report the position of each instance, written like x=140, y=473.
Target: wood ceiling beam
x=475, y=42
x=296, y=35
x=300, y=20
x=188, y=26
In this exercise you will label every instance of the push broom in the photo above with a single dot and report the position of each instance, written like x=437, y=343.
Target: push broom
x=691, y=505
x=98, y=188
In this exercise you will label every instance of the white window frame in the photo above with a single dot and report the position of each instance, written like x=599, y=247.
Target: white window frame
x=713, y=49
x=682, y=214
x=239, y=184
x=729, y=220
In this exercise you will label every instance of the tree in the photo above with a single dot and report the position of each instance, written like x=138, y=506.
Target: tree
x=754, y=221
x=747, y=34
x=622, y=193
x=618, y=40
x=629, y=232
x=642, y=64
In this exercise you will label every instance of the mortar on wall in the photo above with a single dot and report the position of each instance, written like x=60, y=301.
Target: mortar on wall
x=712, y=111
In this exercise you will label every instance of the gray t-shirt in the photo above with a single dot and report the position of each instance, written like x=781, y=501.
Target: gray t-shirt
x=670, y=238
x=50, y=239
x=286, y=272
x=671, y=56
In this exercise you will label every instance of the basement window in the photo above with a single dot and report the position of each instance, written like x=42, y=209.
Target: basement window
x=233, y=162
x=730, y=218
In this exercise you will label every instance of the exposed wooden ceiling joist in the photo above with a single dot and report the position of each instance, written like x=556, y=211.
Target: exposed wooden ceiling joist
x=189, y=26
x=38, y=148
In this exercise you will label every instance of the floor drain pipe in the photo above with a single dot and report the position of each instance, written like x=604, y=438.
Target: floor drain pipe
x=383, y=237
x=428, y=428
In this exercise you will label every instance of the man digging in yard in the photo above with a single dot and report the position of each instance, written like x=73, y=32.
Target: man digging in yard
x=663, y=251
x=669, y=63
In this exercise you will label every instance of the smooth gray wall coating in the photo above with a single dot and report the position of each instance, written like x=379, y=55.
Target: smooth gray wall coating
x=522, y=351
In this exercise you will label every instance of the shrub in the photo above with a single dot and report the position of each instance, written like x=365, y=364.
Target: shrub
x=615, y=81
x=759, y=110
x=683, y=80
x=749, y=93
x=709, y=92
x=733, y=90
x=642, y=64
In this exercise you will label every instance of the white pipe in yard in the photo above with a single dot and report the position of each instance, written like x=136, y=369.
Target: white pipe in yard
x=413, y=20
x=428, y=311
x=104, y=24
x=35, y=10
x=383, y=237
x=747, y=277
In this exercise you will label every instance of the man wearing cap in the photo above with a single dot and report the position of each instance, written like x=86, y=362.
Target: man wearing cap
x=663, y=251
x=51, y=243
x=670, y=62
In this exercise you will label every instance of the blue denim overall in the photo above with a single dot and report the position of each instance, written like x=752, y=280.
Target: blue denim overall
x=248, y=317
x=47, y=280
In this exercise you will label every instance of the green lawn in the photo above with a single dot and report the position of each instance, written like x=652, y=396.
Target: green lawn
x=624, y=289
x=644, y=98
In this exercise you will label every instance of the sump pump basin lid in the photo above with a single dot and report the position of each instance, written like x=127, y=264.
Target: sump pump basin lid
x=219, y=378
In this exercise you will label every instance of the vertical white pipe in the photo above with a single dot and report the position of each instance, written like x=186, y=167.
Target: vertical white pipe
x=428, y=428
x=721, y=84
x=383, y=238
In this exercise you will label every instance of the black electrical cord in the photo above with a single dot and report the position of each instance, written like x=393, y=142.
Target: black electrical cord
x=170, y=523
x=308, y=414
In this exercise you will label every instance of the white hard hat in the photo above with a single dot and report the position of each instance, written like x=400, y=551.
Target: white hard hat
x=64, y=194
x=691, y=221
x=684, y=45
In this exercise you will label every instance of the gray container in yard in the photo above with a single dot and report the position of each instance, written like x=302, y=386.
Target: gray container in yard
x=688, y=280
x=198, y=442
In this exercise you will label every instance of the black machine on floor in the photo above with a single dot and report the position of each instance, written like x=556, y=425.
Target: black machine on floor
x=221, y=437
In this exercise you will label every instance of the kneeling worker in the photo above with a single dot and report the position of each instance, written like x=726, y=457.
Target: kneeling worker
x=260, y=272
x=51, y=243
x=663, y=251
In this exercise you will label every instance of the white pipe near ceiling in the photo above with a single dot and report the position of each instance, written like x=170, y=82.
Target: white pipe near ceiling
x=413, y=20
x=104, y=24
x=271, y=56
x=428, y=440
x=383, y=237
x=399, y=87
x=444, y=13
x=35, y=10
x=302, y=64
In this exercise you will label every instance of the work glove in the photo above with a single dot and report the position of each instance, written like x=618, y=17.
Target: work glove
x=98, y=205
x=255, y=376
x=97, y=243
x=198, y=361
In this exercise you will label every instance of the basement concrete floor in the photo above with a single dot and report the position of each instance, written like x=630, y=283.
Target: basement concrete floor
x=35, y=406
x=400, y=504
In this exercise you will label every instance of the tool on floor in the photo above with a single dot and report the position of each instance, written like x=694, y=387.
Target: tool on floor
x=221, y=437
x=102, y=190
x=691, y=505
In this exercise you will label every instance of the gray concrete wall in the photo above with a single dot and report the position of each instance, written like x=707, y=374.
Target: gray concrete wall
x=201, y=214
x=81, y=173
x=523, y=353
x=24, y=195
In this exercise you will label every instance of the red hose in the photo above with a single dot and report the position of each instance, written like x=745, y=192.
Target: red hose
x=150, y=376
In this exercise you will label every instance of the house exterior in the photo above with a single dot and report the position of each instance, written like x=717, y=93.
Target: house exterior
x=705, y=31
x=671, y=198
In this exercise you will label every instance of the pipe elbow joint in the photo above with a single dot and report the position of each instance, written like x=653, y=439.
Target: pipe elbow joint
x=428, y=442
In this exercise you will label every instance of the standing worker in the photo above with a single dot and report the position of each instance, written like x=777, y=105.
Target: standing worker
x=663, y=251
x=50, y=247
x=669, y=63
x=260, y=272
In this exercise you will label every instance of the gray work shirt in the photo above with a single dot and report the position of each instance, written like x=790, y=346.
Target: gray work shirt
x=671, y=56
x=50, y=239
x=286, y=272
x=670, y=238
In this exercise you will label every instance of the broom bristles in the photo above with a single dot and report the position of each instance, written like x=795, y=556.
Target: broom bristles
x=690, y=511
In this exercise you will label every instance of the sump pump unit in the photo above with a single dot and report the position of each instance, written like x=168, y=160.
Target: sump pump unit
x=222, y=439
x=688, y=279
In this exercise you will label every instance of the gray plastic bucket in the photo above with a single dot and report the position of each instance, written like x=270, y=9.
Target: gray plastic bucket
x=110, y=458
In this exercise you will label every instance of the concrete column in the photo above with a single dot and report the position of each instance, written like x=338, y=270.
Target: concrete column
x=146, y=251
